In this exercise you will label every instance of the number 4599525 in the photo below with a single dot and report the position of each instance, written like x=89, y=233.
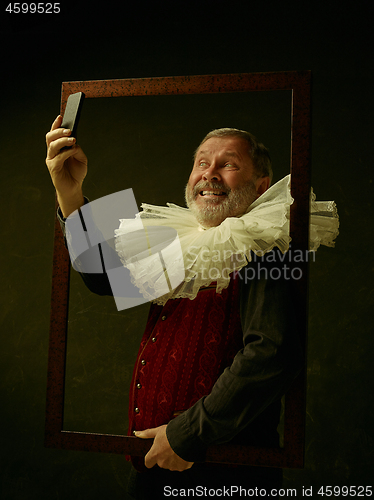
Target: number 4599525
x=33, y=8
x=344, y=491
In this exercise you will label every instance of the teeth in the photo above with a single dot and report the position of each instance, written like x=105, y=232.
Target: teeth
x=217, y=193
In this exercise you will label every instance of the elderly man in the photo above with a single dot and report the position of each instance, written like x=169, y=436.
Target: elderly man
x=212, y=369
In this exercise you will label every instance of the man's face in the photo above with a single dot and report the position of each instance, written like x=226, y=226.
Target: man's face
x=222, y=182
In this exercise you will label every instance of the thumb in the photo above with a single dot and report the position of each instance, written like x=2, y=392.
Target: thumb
x=146, y=434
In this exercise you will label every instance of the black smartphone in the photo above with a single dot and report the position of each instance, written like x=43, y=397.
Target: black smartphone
x=72, y=113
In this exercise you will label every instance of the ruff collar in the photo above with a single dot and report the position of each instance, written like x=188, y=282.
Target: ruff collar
x=211, y=255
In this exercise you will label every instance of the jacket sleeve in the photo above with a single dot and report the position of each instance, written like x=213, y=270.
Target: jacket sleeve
x=96, y=282
x=260, y=374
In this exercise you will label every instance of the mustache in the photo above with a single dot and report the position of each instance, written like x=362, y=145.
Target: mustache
x=203, y=185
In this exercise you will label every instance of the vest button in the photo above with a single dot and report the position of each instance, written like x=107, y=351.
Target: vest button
x=137, y=410
x=163, y=318
x=143, y=362
x=154, y=339
x=139, y=386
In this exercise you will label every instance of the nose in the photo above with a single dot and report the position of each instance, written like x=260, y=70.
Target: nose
x=212, y=173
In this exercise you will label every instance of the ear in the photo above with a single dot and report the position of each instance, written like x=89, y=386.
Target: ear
x=262, y=184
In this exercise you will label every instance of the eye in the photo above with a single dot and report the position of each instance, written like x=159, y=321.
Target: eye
x=203, y=163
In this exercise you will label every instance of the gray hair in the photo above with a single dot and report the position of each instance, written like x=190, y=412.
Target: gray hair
x=257, y=151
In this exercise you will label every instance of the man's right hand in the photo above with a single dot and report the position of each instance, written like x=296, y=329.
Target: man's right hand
x=67, y=168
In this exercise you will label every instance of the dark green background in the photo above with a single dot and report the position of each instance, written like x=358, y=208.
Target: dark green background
x=164, y=39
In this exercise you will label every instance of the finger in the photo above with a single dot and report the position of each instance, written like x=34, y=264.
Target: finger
x=56, y=123
x=53, y=135
x=146, y=434
x=150, y=459
x=57, y=163
x=55, y=147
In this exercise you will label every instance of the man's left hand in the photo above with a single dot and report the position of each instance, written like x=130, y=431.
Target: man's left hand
x=161, y=453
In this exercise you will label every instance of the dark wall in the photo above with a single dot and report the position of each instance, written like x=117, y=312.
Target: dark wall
x=160, y=39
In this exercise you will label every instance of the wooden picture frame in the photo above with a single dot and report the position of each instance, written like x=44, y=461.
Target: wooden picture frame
x=292, y=452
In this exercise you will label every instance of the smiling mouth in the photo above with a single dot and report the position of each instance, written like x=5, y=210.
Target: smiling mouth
x=212, y=193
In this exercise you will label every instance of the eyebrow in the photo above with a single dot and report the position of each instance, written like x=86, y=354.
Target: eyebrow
x=227, y=153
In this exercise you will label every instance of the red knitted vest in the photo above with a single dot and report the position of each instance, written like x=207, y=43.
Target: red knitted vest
x=185, y=347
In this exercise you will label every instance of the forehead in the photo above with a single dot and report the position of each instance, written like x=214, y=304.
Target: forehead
x=230, y=146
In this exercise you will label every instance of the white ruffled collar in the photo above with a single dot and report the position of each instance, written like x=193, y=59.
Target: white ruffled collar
x=211, y=255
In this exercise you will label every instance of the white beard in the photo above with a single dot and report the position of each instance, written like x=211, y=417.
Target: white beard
x=214, y=212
